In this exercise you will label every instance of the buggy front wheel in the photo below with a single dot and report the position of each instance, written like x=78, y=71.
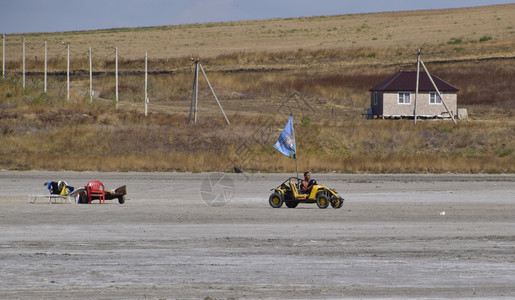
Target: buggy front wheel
x=276, y=200
x=322, y=201
x=336, y=202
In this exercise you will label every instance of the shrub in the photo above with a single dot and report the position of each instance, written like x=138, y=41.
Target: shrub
x=305, y=121
x=485, y=38
x=455, y=41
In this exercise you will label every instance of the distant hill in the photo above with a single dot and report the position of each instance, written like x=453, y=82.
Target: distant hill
x=455, y=29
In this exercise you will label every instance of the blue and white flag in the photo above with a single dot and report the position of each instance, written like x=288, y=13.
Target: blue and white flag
x=286, y=142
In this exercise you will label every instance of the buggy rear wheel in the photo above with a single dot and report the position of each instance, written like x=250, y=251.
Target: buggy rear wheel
x=121, y=199
x=276, y=200
x=292, y=204
x=322, y=201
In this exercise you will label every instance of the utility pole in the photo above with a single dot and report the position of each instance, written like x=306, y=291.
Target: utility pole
x=439, y=94
x=212, y=91
x=90, y=76
x=420, y=62
x=194, y=94
x=68, y=73
x=146, y=84
x=23, y=39
x=416, y=90
x=46, y=66
x=196, y=88
x=116, y=63
x=3, y=55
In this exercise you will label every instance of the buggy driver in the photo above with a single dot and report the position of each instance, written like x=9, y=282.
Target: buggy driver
x=307, y=184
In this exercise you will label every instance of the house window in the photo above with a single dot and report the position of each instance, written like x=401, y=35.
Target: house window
x=404, y=98
x=434, y=98
x=375, y=99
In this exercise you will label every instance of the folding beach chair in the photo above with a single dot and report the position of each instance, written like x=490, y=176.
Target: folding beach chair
x=57, y=190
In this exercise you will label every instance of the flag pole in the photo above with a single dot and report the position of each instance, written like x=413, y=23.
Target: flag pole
x=295, y=154
x=296, y=167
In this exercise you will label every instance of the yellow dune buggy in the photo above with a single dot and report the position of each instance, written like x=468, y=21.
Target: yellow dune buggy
x=289, y=193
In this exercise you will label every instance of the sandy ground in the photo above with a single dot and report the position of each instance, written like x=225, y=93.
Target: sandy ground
x=177, y=236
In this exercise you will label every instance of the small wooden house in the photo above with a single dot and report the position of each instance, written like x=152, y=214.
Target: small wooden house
x=395, y=97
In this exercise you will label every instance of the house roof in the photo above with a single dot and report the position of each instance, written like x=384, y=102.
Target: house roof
x=407, y=81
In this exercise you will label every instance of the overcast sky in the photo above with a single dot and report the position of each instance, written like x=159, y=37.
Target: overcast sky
x=22, y=16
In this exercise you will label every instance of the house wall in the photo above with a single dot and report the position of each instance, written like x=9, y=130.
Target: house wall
x=391, y=107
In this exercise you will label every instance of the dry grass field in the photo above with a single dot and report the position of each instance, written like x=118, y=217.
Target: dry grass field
x=319, y=68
